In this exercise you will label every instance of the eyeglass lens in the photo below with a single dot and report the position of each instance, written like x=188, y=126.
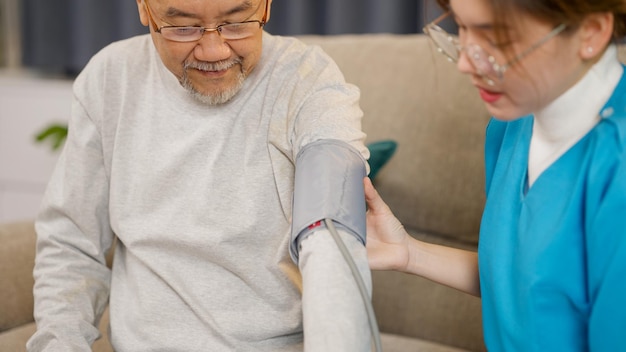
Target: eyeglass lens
x=483, y=62
x=447, y=43
x=228, y=31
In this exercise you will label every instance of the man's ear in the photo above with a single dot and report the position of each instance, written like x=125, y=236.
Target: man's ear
x=143, y=14
x=269, y=10
x=595, y=32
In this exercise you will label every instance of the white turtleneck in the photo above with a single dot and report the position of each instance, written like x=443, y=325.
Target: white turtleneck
x=562, y=123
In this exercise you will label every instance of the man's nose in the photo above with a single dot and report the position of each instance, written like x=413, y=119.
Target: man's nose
x=212, y=47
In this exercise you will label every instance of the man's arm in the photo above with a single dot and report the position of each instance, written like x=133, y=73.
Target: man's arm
x=73, y=234
x=329, y=187
x=327, y=144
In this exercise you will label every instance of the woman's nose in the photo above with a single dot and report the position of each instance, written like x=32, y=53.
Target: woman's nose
x=464, y=64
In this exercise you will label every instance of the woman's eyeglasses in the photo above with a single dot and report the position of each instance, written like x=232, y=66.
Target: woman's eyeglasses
x=484, y=63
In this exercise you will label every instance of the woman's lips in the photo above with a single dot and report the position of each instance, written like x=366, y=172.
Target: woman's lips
x=488, y=96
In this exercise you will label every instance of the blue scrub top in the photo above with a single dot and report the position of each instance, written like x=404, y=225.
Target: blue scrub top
x=552, y=258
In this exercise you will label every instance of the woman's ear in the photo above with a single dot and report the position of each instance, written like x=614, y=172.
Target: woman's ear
x=143, y=14
x=595, y=33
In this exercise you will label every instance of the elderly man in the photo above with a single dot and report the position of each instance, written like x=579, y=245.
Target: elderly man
x=211, y=150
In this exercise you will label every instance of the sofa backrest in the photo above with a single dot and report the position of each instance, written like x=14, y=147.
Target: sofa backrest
x=410, y=93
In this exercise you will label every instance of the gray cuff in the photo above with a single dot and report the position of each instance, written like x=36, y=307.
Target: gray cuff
x=328, y=185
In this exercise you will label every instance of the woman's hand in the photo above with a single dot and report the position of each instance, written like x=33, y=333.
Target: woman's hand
x=390, y=247
x=387, y=240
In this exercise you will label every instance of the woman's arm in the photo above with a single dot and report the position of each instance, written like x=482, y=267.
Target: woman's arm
x=390, y=247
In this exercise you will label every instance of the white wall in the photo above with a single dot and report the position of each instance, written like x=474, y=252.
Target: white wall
x=27, y=105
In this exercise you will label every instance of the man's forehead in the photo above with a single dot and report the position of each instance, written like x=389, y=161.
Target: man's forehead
x=198, y=8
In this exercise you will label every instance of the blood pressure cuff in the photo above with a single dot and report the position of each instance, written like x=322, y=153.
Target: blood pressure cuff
x=328, y=185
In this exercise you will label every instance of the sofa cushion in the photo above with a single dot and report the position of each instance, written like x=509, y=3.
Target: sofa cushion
x=426, y=311
x=397, y=343
x=417, y=308
x=380, y=153
x=17, y=258
x=14, y=340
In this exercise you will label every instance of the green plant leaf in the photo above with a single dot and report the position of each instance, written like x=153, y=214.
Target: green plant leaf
x=55, y=134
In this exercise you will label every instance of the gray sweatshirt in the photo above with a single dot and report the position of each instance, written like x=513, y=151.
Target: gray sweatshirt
x=199, y=197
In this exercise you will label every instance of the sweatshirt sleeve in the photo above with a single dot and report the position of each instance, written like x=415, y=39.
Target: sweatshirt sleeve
x=73, y=235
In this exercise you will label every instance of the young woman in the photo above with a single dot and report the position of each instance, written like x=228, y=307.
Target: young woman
x=551, y=263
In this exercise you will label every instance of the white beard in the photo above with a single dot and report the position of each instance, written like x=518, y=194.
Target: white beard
x=216, y=98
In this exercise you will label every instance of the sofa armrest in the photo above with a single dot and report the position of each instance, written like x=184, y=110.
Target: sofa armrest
x=17, y=259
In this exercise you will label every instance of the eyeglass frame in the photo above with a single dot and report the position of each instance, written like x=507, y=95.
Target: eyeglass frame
x=262, y=22
x=496, y=68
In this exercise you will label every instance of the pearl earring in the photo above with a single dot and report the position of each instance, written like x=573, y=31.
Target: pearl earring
x=589, y=49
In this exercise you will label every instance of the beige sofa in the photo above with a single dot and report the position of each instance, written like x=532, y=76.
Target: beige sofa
x=434, y=183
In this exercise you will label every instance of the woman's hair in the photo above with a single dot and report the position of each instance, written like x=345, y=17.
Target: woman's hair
x=570, y=12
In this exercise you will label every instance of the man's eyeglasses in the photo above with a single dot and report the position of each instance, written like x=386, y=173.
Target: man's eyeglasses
x=228, y=31
x=484, y=63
